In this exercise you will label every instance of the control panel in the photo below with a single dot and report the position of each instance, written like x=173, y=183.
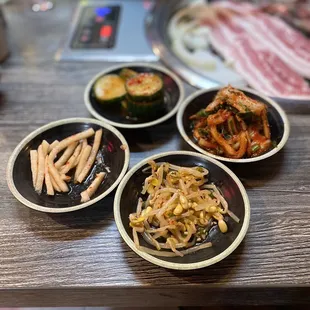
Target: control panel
x=108, y=30
x=97, y=28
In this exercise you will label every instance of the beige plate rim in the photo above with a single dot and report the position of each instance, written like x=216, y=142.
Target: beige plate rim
x=32, y=135
x=171, y=265
x=93, y=112
x=198, y=93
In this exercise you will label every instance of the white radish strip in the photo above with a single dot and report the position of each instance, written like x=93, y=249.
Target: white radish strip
x=84, y=157
x=56, y=176
x=66, y=155
x=34, y=166
x=77, y=160
x=41, y=166
x=92, y=156
x=70, y=163
x=52, y=146
x=48, y=182
x=66, y=178
x=55, y=186
x=90, y=191
x=45, y=146
x=63, y=144
x=84, y=197
x=79, y=136
x=84, y=143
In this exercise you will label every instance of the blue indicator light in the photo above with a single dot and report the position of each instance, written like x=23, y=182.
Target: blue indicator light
x=102, y=11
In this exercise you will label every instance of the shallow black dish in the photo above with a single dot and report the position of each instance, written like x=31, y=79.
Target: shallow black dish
x=113, y=158
x=173, y=96
x=279, y=124
x=129, y=191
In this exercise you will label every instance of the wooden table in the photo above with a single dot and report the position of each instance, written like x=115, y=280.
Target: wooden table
x=79, y=259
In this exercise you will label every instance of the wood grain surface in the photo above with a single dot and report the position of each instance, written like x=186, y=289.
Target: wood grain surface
x=79, y=259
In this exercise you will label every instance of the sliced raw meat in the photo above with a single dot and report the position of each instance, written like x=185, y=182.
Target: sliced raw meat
x=290, y=45
x=244, y=68
x=260, y=66
x=239, y=8
x=292, y=48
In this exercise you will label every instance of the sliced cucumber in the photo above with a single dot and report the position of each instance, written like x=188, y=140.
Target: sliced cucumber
x=126, y=74
x=110, y=89
x=145, y=109
x=145, y=87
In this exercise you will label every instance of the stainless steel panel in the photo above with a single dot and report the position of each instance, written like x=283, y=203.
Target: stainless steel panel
x=131, y=42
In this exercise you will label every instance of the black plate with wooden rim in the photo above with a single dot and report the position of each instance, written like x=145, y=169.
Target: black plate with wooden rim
x=114, y=159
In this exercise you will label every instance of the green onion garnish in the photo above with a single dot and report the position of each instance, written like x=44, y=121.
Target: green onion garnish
x=203, y=113
x=255, y=148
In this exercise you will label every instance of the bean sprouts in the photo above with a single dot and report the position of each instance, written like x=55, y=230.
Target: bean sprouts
x=178, y=211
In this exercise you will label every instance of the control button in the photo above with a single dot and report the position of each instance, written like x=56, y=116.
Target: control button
x=84, y=38
x=106, y=31
x=99, y=19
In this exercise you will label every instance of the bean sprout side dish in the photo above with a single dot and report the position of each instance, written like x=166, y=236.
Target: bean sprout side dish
x=179, y=210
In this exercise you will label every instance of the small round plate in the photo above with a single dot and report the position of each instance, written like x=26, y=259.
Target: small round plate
x=114, y=159
x=129, y=191
x=173, y=94
x=279, y=124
